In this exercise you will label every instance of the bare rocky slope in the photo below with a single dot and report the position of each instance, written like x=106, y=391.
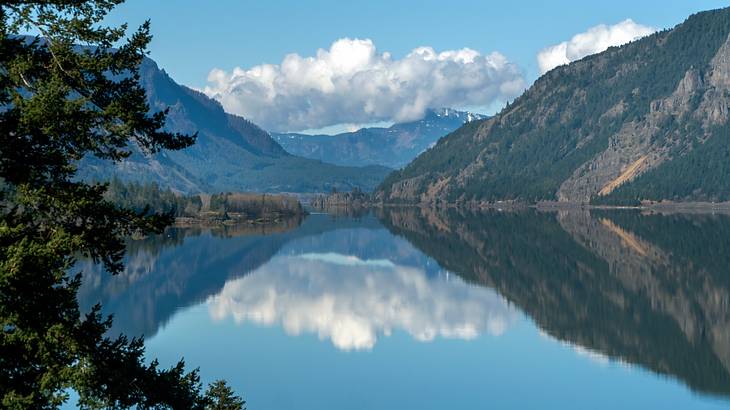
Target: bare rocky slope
x=645, y=121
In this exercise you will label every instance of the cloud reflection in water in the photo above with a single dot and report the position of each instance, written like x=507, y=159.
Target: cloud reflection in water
x=352, y=301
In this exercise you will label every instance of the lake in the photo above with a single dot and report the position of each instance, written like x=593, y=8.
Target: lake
x=409, y=308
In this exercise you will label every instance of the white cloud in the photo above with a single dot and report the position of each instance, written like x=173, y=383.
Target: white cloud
x=592, y=41
x=352, y=302
x=353, y=83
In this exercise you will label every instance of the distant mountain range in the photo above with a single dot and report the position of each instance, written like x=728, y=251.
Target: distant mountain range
x=392, y=147
x=645, y=121
x=231, y=153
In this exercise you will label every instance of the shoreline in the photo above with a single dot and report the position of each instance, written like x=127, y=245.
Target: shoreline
x=185, y=221
x=659, y=207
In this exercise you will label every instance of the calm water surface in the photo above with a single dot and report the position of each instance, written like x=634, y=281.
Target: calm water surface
x=418, y=309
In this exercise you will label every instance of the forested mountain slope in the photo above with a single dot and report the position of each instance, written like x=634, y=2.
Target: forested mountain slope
x=645, y=121
x=230, y=154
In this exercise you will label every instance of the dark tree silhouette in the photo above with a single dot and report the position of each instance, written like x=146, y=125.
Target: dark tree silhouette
x=65, y=94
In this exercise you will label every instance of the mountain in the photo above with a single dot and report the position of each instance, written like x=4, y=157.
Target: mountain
x=392, y=147
x=185, y=266
x=643, y=289
x=230, y=154
x=645, y=121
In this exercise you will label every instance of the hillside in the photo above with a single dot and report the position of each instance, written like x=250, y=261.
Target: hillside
x=393, y=147
x=645, y=121
x=647, y=290
x=185, y=266
x=231, y=153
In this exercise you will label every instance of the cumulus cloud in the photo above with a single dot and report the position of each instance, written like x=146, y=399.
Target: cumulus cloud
x=354, y=83
x=595, y=40
x=352, y=302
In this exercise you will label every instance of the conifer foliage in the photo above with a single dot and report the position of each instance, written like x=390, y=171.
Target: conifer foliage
x=65, y=93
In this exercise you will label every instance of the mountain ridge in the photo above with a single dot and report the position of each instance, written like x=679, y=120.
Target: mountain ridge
x=230, y=154
x=607, y=129
x=393, y=147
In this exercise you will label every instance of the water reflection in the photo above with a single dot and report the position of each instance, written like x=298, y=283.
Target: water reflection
x=352, y=301
x=652, y=290
x=183, y=267
x=646, y=290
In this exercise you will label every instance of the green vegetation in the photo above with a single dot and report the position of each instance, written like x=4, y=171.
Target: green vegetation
x=230, y=153
x=61, y=102
x=698, y=175
x=256, y=206
x=223, y=398
x=537, y=142
x=355, y=198
x=580, y=282
x=150, y=197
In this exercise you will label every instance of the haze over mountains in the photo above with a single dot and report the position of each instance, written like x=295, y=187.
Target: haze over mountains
x=393, y=147
x=645, y=121
x=230, y=154
x=233, y=154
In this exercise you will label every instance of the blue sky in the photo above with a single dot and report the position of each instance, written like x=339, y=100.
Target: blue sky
x=194, y=37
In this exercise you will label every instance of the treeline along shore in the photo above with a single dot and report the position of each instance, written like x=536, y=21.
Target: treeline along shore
x=226, y=207
x=357, y=199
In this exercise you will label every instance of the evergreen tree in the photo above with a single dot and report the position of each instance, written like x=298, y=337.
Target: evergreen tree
x=221, y=397
x=66, y=94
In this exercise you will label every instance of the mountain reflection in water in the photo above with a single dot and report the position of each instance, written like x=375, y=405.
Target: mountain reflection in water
x=644, y=289
x=652, y=290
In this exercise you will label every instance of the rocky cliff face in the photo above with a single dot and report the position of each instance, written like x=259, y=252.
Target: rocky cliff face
x=605, y=128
